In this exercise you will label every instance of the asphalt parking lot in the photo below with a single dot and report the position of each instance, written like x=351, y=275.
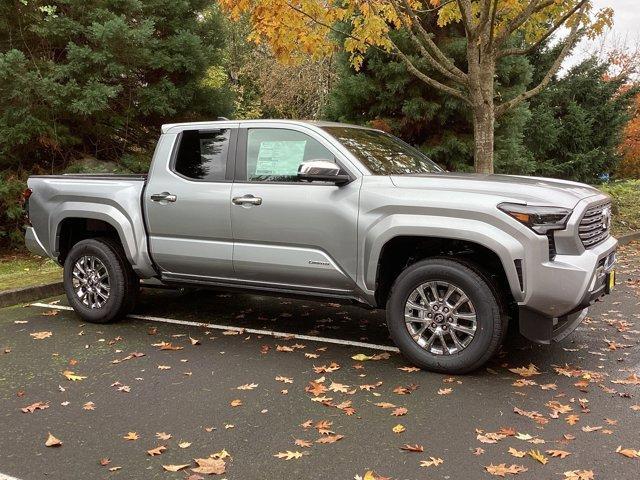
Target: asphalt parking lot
x=239, y=400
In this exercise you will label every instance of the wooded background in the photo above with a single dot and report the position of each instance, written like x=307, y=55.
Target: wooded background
x=85, y=85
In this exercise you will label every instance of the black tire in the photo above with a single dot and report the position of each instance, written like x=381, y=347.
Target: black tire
x=491, y=318
x=123, y=282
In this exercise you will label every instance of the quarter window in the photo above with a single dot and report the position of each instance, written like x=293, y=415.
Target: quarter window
x=202, y=155
x=274, y=155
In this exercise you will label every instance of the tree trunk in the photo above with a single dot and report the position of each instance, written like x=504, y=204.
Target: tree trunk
x=483, y=123
x=481, y=83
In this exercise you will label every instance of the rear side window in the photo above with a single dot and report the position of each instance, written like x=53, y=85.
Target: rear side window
x=202, y=155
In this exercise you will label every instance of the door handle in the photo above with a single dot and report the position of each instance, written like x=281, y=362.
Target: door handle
x=163, y=197
x=247, y=199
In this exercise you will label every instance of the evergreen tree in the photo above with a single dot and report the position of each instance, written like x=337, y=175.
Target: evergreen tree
x=578, y=122
x=97, y=77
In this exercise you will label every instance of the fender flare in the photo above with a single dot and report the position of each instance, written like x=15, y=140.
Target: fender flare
x=506, y=246
x=133, y=243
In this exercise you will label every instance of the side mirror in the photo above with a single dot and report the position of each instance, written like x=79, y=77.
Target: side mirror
x=322, y=170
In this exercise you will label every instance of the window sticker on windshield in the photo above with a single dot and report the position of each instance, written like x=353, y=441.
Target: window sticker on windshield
x=280, y=158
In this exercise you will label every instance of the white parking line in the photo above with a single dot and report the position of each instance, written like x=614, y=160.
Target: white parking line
x=271, y=333
x=7, y=477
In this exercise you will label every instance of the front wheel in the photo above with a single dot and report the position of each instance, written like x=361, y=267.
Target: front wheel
x=445, y=316
x=99, y=281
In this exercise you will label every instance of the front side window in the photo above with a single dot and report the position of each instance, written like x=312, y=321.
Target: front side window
x=381, y=153
x=274, y=154
x=202, y=155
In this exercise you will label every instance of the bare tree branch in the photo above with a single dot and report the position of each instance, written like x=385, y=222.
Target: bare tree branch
x=423, y=50
x=570, y=42
x=428, y=80
x=465, y=10
x=446, y=61
x=547, y=34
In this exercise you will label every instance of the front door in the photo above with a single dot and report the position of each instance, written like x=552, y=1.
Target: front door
x=187, y=205
x=289, y=233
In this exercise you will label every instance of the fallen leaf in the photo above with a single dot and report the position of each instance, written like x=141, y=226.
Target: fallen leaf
x=501, y=469
x=398, y=428
x=400, y=411
x=175, y=468
x=209, y=466
x=332, y=367
x=236, y=403
x=537, y=455
x=579, y=475
x=184, y=444
x=131, y=436
x=303, y=443
x=104, y=462
x=572, y=419
x=157, y=451
x=412, y=448
x=432, y=462
x=163, y=436
x=289, y=455
x=526, y=371
x=89, y=406
x=50, y=313
x=69, y=375
x=517, y=453
x=478, y=451
x=282, y=379
x=247, y=386
x=385, y=405
x=164, y=367
x=41, y=335
x=330, y=439
x=445, y=391
x=558, y=453
x=35, y=406
x=52, y=441
x=628, y=452
x=587, y=428
x=361, y=357
x=194, y=341
x=409, y=369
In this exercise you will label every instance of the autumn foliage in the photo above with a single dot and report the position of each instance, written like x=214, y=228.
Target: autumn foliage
x=629, y=167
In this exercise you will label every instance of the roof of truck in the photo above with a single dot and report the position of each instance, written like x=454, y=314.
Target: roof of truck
x=176, y=127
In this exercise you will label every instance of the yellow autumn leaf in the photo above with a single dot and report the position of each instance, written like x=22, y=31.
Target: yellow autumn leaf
x=398, y=428
x=69, y=375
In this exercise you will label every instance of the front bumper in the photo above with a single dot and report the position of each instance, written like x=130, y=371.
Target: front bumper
x=561, y=290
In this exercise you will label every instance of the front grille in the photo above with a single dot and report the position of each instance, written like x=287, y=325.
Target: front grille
x=595, y=225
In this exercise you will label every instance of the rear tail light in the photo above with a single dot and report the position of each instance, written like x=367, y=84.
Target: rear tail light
x=26, y=194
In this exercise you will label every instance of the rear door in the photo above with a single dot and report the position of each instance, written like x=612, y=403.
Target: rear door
x=290, y=233
x=187, y=204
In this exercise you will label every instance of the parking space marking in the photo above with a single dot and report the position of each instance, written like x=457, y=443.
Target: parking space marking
x=7, y=477
x=270, y=333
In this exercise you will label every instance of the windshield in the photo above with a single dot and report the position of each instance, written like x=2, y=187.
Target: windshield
x=381, y=153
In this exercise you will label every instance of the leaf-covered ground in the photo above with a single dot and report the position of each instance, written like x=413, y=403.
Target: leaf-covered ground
x=141, y=400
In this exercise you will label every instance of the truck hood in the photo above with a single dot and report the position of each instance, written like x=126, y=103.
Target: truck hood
x=533, y=190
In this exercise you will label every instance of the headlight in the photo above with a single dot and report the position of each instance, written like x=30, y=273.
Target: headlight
x=538, y=219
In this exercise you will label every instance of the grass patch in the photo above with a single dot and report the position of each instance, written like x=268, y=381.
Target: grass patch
x=20, y=270
x=626, y=205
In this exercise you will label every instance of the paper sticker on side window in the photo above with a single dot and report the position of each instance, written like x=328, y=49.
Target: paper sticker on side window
x=280, y=157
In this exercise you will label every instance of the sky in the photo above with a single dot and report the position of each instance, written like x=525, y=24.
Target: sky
x=626, y=28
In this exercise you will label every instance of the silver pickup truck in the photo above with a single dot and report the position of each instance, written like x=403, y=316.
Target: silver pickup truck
x=340, y=212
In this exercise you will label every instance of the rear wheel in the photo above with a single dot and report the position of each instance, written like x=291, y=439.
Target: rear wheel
x=445, y=316
x=99, y=281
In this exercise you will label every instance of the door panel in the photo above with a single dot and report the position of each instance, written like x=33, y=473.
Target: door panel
x=191, y=235
x=292, y=233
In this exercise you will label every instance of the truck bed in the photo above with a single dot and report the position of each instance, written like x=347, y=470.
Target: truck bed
x=114, y=199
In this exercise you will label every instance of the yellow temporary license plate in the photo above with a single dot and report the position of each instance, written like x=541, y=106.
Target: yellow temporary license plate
x=612, y=280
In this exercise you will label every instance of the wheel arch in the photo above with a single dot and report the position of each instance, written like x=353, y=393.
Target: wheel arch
x=492, y=250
